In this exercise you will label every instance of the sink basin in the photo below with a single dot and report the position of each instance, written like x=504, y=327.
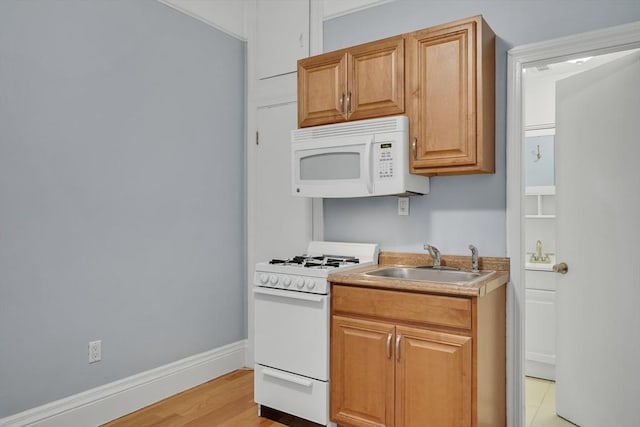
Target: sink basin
x=454, y=277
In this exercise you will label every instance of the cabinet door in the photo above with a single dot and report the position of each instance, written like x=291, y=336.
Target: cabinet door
x=376, y=79
x=282, y=36
x=540, y=334
x=362, y=372
x=322, y=89
x=433, y=379
x=450, y=82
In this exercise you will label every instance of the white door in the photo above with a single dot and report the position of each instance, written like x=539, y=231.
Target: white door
x=283, y=222
x=280, y=224
x=598, y=237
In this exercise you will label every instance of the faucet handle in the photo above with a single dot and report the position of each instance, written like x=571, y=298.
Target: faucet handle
x=474, y=259
x=434, y=253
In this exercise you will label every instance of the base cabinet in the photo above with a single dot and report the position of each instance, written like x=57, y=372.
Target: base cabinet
x=396, y=365
x=540, y=334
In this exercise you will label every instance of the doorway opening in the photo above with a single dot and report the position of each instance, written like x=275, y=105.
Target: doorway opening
x=539, y=107
x=531, y=214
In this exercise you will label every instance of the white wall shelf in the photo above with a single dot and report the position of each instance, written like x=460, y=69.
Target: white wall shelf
x=540, y=190
x=543, y=196
x=540, y=266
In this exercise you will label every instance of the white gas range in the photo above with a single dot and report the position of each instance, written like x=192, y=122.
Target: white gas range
x=292, y=327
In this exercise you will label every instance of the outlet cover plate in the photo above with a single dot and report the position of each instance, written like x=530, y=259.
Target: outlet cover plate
x=95, y=351
x=403, y=206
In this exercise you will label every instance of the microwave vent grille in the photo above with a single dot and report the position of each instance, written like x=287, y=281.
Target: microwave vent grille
x=362, y=127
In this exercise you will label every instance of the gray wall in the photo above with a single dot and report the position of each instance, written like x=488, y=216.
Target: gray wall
x=121, y=193
x=465, y=209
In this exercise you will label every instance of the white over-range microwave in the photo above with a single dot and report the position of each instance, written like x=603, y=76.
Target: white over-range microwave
x=354, y=159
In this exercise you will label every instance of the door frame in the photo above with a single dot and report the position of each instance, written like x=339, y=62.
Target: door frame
x=597, y=42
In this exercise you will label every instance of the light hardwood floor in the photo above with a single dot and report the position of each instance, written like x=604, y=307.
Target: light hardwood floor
x=226, y=401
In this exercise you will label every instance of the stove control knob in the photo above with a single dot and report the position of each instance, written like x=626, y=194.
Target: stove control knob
x=311, y=284
x=264, y=278
x=273, y=279
x=299, y=283
x=287, y=281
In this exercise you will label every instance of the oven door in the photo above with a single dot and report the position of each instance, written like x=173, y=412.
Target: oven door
x=292, y=331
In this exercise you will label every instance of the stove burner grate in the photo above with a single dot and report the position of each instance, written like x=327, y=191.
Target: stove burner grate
x=322, y=261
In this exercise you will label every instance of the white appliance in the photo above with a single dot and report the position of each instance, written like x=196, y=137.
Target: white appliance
x=291, y=303
x=354, y=159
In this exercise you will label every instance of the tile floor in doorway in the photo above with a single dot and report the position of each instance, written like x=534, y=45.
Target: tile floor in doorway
x=541, y=404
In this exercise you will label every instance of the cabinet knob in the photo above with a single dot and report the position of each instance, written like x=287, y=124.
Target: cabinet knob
x=398, y=338
x=389, y=337
x=342, y=103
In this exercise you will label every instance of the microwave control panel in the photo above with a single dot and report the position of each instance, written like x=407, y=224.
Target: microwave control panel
x=384, y=160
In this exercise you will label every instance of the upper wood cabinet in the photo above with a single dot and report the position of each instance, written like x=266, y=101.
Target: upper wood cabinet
x=450, y=82
x=444, y=74
x=361, y=82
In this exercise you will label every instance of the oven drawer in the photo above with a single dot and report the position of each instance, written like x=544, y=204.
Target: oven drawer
x=294, y=394
x=292, y=331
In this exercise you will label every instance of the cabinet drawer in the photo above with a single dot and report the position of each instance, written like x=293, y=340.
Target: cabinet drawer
x=412, y=307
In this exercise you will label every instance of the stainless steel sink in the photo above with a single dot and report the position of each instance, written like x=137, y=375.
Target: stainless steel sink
x=454, y=277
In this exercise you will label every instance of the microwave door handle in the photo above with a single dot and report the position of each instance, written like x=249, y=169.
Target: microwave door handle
x=368, y=154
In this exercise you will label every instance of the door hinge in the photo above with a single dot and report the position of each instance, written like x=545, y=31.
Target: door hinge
x=257, y=138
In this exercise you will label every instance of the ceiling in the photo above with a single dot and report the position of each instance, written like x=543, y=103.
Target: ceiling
x=562, y=69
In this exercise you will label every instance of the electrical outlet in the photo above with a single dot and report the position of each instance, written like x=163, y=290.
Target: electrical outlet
x=95, y=351
x=403, y=206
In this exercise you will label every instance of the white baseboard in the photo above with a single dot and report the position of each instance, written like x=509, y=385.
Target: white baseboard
x=538, y=369
x=110, y=401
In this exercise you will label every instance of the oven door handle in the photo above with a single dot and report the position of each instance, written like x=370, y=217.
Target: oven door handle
x=289, y=294
x=286, y=377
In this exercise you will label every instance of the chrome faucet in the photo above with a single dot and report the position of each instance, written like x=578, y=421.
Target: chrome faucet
x=435, y=254
x=474, y=259
x=537, y=257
